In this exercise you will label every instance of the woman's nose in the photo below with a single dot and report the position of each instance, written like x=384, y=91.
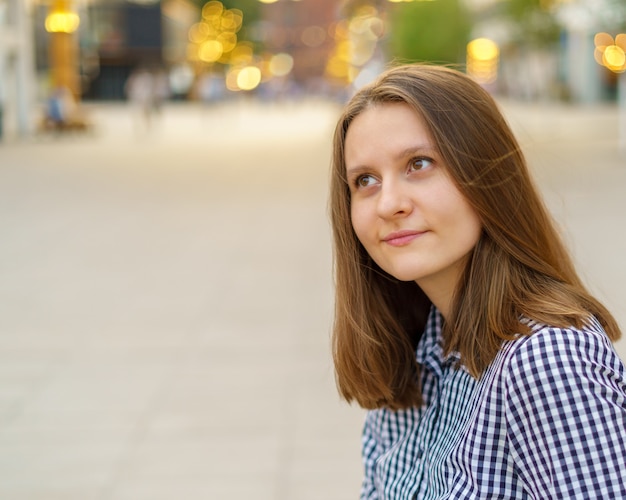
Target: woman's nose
x=394, y=200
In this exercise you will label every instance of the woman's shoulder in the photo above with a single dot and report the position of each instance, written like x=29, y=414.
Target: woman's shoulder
x=572, y=350
x=589, y=336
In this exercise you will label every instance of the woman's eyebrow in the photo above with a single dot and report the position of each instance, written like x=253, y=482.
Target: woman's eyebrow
x=414, y=150
x=357, y=169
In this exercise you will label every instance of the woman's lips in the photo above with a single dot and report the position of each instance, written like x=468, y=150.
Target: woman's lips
x=401, y=238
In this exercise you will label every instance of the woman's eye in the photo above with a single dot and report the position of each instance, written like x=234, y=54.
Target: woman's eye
x=365, y=180
x=420, y=164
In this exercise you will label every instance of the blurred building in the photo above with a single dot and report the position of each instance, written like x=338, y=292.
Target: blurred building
x=322, y=40
x=581, y=20
x=547, y=49
x=303, y=30
x=113, y=37
x=117, y=36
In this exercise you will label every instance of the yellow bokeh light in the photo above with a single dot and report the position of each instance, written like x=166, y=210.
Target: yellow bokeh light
x=232, y=20
x=228, y=41
x=210, y=51
x=483, y=49
x=281, y=64
x=212, y=9
x=227, y=21
x=610, y=53
x=214, y=38
x=268, y=1
x=62, y=22
x=198, y=33
x=337, y=68
x=614, y=58
x=344, y=50
x=598, y=54
x=231, y=80
x=482, y=60
x=602, y=40
x=249, y=78
x=242, y=53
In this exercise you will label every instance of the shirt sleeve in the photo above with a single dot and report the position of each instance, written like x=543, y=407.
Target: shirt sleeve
x=565, y=409
x=371, y=450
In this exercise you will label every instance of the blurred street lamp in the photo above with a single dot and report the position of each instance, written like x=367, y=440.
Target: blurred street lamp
x=482, y=60
x=62, y=23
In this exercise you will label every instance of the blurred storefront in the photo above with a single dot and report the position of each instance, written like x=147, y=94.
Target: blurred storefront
x=547, y=47
x=544, y=48
x=590, y=79
x=115, y=37
x=304, y=31
x=112, y=38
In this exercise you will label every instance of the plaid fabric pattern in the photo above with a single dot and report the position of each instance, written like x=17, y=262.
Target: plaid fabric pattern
x=547, y=420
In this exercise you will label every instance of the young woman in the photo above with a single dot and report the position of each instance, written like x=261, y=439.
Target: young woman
x=460, y=321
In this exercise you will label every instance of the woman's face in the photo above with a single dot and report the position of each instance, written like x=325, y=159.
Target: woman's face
x=405, y=209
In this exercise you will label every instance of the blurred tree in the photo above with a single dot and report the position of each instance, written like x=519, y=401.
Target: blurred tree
x=534, y=21
x=429, y=31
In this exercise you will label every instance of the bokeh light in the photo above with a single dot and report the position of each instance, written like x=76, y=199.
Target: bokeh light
x=609, y=52
x=212, y=9
x=242, y=54
x=249, y=78
x=280, y=64
x=356, y=42
x=62, y=22
x=482, y=60
x=214, y=38
x=228, y=41
x=199, y=32
x=211, y=51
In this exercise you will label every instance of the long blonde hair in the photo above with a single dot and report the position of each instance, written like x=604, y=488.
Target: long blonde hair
x=519, y=267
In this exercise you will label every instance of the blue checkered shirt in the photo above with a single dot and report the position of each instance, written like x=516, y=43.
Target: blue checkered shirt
x=546, y=420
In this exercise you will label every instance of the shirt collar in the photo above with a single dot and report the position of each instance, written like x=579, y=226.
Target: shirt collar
x=429, y=352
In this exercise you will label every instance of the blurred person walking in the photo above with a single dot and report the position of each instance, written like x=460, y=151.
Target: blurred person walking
x=141, y=91
x=62, y=112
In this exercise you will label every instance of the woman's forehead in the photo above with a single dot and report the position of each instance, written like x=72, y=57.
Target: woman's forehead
x=388, y=126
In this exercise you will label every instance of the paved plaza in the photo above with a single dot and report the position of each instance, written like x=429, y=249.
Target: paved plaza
x=166, y=297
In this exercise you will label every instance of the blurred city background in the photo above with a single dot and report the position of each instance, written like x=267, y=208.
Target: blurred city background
x=165, y=267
